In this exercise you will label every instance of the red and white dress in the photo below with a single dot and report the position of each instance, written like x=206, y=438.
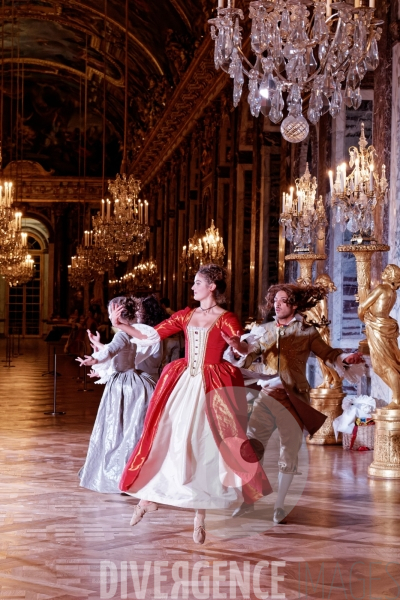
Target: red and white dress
x=188, y=455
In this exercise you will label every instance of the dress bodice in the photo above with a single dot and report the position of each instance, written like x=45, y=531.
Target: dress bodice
x=196, y=344
x=203, y=346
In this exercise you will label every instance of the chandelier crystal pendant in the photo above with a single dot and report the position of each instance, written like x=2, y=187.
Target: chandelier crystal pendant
x=124, y=230
x=355, y=196
x=302, y=48
x=202, y=250
x=303, y=219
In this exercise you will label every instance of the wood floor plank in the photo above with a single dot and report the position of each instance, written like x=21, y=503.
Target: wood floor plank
x=57, y=539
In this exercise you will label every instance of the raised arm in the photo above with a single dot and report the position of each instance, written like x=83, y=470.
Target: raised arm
x=115, y=315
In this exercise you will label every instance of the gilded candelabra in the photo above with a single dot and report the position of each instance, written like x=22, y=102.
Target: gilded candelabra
x=300, y=48
x=303, y=220
x=355, y=196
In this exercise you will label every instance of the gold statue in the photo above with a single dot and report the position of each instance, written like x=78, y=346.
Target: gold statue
x=383, y=331
x=318, y=316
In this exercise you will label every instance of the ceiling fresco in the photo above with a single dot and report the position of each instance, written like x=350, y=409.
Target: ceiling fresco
x=55, y=56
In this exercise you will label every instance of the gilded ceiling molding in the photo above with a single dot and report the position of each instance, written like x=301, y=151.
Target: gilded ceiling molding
x=55, y=15
x=121, y=28
x=59, y=67
x=199, y=86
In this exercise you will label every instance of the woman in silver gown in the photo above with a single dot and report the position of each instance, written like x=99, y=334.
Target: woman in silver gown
x=130, y=373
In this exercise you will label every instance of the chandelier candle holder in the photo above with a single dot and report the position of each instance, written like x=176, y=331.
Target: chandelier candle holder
x=122, y=229
x=303, y=220
x=355, y=196
x=202, y=250
x=312, y=47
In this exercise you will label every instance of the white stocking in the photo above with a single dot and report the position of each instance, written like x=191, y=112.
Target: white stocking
x=284, y=481
x=200, y=516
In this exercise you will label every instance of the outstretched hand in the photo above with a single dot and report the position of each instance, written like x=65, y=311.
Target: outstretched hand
x=93, y=374
x=354, y=359
x=235, y=343
x=88, y=361
x=94, y=340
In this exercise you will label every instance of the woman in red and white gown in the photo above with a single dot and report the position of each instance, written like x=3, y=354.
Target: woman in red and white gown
x=189, y=452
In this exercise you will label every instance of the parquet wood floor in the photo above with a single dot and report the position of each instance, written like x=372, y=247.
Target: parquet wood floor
x=61, y=541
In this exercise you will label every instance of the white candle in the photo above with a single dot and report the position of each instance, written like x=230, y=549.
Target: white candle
x=91, y=238
x=328, y=8
x=343, y=177
x=102, y=209
x=372, y=3
x=283, y=202
x=108, y=209
x=141, y=212
x=356, y=3
x=331, y=181
x=220, y=3
x=146, y=212
x=371, y=178
x=9, y=193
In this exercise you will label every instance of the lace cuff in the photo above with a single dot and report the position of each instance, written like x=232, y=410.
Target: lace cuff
x=352, y=373
x=152, y=335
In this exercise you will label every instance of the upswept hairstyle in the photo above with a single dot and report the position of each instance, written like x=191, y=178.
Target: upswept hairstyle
x=218, y=275
x=129, y=305
x=303, y=297
x=149, y=311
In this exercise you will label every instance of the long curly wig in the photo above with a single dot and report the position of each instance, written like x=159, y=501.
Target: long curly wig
x=304, y=297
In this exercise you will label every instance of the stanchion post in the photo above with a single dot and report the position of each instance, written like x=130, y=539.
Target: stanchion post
x=54, y=412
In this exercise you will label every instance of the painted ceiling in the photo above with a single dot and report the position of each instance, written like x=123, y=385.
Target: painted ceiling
x=55, y=56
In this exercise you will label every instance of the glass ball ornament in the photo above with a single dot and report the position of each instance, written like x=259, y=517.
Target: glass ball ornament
x=294, y=129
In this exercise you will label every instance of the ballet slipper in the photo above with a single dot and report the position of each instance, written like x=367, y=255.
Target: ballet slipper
x=199, y=533
x=140, y=510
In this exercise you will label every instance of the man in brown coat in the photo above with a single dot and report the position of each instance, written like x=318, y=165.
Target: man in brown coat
x=285, y=345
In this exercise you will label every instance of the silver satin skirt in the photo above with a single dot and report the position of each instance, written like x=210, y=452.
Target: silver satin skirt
x=117, y=429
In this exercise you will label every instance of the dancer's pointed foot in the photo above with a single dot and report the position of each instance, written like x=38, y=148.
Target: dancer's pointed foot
x=243, y=510
x=279, y=515
x=140, y=510
x=199, y=531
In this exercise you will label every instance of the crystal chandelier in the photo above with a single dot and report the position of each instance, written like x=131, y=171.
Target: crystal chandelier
x=13, y=243
x=200, y=251
x=124, y=230
x=301, y=47
x=146, y=274
x=91, y=261
x=303, y=220
x=355, y=196
x=19, y=273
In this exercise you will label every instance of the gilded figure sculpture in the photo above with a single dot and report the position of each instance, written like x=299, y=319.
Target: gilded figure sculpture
x=318, y=316
x=383, y=331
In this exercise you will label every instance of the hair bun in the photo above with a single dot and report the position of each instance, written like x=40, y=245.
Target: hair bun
x=218, y=275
